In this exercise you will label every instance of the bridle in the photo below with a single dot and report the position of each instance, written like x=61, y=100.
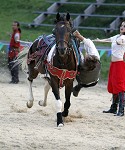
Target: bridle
x=67, y=48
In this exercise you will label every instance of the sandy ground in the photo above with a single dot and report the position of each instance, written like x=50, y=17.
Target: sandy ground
x=86, y=127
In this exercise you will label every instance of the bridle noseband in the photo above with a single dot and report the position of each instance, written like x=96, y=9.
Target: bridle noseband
x=67, y=49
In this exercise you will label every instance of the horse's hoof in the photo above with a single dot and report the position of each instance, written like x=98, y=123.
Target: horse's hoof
x=60, y=125
x=41, y=103
x=59, y=120
x=65, y=113
x=29, y=104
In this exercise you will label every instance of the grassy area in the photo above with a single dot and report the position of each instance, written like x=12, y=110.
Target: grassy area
x=105, y=62
x=22, y=11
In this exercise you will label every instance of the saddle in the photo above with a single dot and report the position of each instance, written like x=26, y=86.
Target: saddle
x=43, y=47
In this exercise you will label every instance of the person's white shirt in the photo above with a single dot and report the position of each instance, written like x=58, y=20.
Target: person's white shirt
x=17, y=37
x=90, y=47
x=118, y=45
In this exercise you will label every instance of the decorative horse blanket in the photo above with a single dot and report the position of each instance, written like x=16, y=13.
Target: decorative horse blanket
x=44, y=45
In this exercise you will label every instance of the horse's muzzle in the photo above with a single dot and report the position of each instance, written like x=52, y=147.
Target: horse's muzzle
x=62, y=51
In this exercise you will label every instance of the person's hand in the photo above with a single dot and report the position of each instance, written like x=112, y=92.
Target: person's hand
x=78, y=35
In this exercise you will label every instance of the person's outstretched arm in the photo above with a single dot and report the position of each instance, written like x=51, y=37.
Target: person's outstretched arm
x=102, y=40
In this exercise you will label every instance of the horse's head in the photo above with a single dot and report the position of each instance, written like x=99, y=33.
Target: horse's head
x=63, y=31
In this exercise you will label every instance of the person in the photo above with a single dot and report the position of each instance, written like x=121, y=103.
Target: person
x=14, y=48
x=89, y=69
x=116, y=77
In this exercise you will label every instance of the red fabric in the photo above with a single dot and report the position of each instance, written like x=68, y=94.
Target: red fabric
x=12, y=54
x=12, y=41
x=14, y=46
x=62, y=74
x=21, y=48
x=116, y=80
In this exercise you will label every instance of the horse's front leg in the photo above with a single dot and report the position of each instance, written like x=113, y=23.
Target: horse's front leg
x=32, y=74
x=55, y=90
x=68, y=90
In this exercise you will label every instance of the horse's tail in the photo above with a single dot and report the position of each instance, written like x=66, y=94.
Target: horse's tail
x=21, y=59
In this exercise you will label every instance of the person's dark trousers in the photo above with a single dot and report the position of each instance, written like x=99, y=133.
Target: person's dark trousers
x=114, y=105
x=78, y=87
x=121, y=104
x=14, y=70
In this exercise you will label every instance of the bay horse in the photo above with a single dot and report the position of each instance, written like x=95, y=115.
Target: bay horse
x=62, y=68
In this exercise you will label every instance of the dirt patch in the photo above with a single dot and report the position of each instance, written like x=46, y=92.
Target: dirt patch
x=86, y=127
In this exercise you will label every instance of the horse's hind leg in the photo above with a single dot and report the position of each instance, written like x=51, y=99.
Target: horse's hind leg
x=46, y=90
x=32, y=75
x=31, y=98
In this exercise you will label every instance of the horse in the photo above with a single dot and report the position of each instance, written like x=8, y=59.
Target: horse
x=62, y=68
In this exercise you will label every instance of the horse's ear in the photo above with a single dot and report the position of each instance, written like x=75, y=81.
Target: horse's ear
x=58, y=16
x=68, y=17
